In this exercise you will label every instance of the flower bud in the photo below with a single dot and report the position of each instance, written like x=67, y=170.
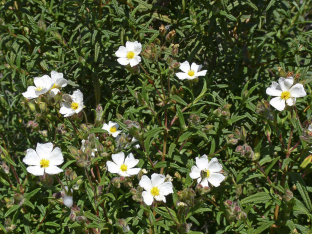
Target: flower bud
x=43, y=106
x=31, y=106
x=162, y=30
x=116, y=182
x=81, y=219
x=202, y=190
x=228, y=203
x=177, y=175
x=170, y=35
x=288, y=195
x=123, y=225
x=42, y=25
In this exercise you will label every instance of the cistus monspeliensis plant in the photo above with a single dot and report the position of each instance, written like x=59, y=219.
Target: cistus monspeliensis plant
x=145, y=116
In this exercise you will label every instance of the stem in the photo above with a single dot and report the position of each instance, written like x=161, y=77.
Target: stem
x=85, y=115
x=217, y=151
x=165, y=142
x=172, y=216
x=100, y=10
x=58, y=178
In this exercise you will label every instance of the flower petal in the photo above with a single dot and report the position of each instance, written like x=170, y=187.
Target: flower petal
x=30, y=93
x=130, y=45
x=214, y=165
x=204, y=182
x=202, y=162
x=106, y=127
x=291, y=101
x=115, y=134
x=194, y=67
x=185, y=67
x=121, y=52
x=133, y=171
x=215, y=179
x=124, y=173
x=68, y=201
x=53, y=170
x=146, y=183
x=157, y=179
x=112, y=167
x=195, y=172
x=66, y=110
x=119, y=158
x=31, y=158
x=285, y=83
x=123, y=61
x=147, y=198
x=165, y=188
x=130, y=161
x=56, y=157
x=182, y=76
x=201, y=73
x=44, y=150
x=297, y=91
x=56, y=75
x=137, y=48
x=135, y=61
x=35, y=170
x=274, y=90
x=77, y=96
x=160, y=198
x=278, y=103
x=43, y=82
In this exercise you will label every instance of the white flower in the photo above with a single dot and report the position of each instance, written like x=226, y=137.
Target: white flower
x=205, y=171
x=190, y=72
x=42, y=85
x=44, y=159
x=285, y=92
x=156, y=188
x=68, y=197
x=58, y=82
x=129, y=54
x=123, y=166
x=112, y=127
x=68, y=109
x=310, y=128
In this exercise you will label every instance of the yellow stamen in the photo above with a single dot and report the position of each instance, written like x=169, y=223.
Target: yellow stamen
x=39, y=88
x=208, y=173
x=113, y=129
x=130, y=55
x=54, y=87
x=191, y=73
x=124, y=167
x=74, y=105
x=285, y=95
x=44, y=163
x=155, y=191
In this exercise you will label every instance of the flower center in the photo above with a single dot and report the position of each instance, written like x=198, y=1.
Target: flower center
x=74, y=105
x=54, y=86
x=155, y=191
x=208, y=173
x=124, y=167
x=191, y=73
x=113, y=129
x=39, y=88
x=285, y=95
x=130, y=55
x=44, y=163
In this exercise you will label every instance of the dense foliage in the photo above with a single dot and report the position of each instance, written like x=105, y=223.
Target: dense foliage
x=244, y=45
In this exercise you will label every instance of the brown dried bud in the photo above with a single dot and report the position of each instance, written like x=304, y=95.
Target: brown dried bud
x=162, y=30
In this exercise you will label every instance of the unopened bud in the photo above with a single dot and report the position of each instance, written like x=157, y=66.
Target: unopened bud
x=162, y=30
x=170, y=35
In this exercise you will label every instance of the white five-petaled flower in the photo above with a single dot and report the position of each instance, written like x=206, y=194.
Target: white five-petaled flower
x=74, y=107
x=112, y=127
x=206, y=171
x=44, y=159
x=155, y=188
x=42, y=85
x=123, y=166
x=58, y=82
x=285, y=92
x=190, y=72
x=129, y=54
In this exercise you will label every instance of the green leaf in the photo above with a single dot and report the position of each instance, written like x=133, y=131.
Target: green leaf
x=264, y=226
x=301, y=186
x=261, y=197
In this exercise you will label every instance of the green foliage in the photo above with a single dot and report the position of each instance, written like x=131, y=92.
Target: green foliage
x=243, y=45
